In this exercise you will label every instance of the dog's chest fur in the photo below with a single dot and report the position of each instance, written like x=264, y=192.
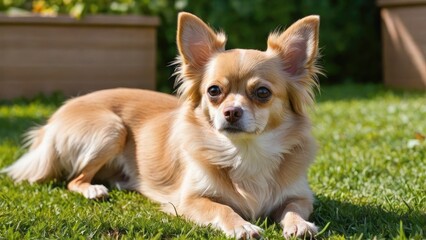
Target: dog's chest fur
x=253, y=173
x=253, y=165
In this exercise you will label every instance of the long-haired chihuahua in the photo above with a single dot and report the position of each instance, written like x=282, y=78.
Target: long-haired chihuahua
x=235, y=145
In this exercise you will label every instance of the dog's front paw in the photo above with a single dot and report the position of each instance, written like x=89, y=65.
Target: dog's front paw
x=245, y=231
x=95, y=192
x=298, y=227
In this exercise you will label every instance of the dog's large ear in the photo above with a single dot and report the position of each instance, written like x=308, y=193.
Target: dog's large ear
x=298, y=45
x=196, y=41
x=298, y=49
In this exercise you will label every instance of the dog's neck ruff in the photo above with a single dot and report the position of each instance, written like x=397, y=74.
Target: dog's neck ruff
x=255, y=154
x=252, y=168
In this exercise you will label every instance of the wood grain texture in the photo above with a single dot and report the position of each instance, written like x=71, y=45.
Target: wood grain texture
x=404, y=46
x=75, y=58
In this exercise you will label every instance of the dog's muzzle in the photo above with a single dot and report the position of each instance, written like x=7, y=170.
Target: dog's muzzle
x=233, y=116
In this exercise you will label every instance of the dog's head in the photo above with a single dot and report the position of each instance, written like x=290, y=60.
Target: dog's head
x=247, y=91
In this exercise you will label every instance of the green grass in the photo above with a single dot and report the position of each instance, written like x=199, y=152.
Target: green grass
x=368, y=181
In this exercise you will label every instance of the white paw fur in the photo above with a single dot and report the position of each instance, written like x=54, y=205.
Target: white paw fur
x=95, y=192
x=246, y=231
x=300, y=228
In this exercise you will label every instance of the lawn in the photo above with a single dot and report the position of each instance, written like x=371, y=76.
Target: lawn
x=369, y=177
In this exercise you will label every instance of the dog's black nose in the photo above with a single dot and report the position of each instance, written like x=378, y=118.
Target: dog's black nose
x=232, y=114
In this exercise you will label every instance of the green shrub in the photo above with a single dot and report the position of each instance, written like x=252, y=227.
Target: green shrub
x=349, y=32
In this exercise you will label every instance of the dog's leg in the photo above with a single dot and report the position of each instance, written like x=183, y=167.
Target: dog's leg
x=205, y=211
x=293, y=215
x=82, y=183
x=106, y=148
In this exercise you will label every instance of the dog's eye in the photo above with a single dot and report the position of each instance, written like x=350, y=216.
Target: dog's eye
x=263, y=93
x=214, y=91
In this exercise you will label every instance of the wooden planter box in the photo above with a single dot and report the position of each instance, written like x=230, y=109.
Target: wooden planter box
x=48, y=54
x=404, y=43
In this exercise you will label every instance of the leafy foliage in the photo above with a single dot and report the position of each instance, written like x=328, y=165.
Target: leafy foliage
x=349, y=32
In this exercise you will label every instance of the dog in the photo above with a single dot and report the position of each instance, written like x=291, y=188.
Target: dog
x=234, y=146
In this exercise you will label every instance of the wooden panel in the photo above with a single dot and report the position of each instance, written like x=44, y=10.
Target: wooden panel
x=60, y=36
x=75, y=56
x=95, y=20
x=404, y=46
x=13, y=89
x=71, y=73
x=74, y=59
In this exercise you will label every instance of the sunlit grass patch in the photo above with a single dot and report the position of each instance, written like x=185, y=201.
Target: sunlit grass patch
x=369, y=177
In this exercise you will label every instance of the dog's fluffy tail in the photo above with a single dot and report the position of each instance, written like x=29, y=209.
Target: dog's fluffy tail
x=39, y=163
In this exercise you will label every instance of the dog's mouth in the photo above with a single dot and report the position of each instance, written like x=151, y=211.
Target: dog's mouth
x=233, y=130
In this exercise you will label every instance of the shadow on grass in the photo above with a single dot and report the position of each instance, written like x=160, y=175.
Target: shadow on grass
x=352, y=91
x=13, y=126
x=56, y=98
x=367, y=222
